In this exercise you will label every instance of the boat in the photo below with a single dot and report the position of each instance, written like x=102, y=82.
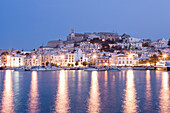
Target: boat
x=114, y=69
x=163, y=65
x=125, y=68
x=1, y=68
x=150, y=68
x=90, y=69
x=74, y=68
x=43, y=68
x=38, y=68
x=22, y=68
x=139, y=68
x=67, y=68
x=101, y=69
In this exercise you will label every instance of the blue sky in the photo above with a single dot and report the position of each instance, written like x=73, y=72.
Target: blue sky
x=27, y=24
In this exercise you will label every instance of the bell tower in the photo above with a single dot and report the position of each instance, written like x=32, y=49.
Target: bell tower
x=72, y=34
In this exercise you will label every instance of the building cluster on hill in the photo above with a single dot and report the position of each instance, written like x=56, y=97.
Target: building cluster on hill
x=99, y=49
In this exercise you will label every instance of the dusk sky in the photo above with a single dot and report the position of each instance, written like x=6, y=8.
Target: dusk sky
x=27, y=24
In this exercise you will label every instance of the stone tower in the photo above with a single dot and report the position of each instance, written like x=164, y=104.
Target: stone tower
x=72, y=34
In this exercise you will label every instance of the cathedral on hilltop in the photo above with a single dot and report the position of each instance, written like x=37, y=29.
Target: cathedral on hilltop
x=100, y=35
x=75, y=36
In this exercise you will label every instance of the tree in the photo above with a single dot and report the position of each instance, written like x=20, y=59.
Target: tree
x=47, y=63
x=95, y=40
x=4, y=53
x=160, y=52
x=143, y=61
x=77, y=63
x=52, y=64
x=75, y=44
x=153, y=59
x=68, y=64
x=105, y=47
x=85, y=63
x=145, y=45
x=18, y=52
x=168, y=57
x=130, y=47
x=91, y=63
x=118, y=47
x=169, y=42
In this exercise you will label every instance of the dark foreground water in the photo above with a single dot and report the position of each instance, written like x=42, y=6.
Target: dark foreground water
x=80, y=91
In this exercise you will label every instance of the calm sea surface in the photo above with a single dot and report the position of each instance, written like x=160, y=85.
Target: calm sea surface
x=80, y=91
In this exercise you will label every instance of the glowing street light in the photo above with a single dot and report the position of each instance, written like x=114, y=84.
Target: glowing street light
x=34, y=57
x=62, y=56
x=164, y=56
x=148, y=64
x=130, y=56
x=94, y=56
x=106, y=64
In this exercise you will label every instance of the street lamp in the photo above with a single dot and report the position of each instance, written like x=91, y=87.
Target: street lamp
x=148, y=64
x=94, y=56
x=62, y=56
x=34, y=56
x=164, y=56
x=130, y=56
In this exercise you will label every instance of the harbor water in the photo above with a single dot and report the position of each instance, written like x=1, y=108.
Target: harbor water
x=78, y=91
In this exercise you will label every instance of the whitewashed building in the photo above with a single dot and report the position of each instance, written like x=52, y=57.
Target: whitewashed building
x=89, y=47
x=126, y=60
x=17, y=61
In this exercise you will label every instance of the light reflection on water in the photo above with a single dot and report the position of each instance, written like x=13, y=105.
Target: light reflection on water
x=93, y=92
x=130, y=102
x=94, y=100
x=7, y=96
x=164, y=94
x=105, y=77
x=79, y=84
x=33, y=105
x=148, y=94
x=62, y=101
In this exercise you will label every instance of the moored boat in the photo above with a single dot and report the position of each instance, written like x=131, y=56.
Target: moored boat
x=22, y=68
x=139, y=68
x=150, y=68
x=114, y=69
x=101, y=69
x=90, y=69
x=163, y=65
